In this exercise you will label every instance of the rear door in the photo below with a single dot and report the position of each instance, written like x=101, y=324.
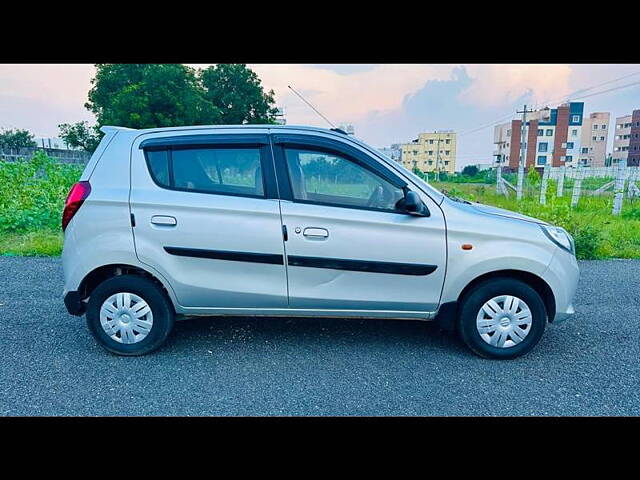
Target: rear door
x=348, y=247
x=207, y=217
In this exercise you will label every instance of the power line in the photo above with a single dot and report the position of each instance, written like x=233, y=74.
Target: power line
x=496, y=122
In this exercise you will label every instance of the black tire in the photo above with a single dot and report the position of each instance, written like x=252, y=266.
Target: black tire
x=149, y=291
x=473, y=302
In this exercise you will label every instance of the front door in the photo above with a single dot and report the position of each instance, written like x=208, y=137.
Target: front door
x=348, y=248
x=207, y=218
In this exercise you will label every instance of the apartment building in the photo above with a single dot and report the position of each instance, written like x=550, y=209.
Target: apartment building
x=431, y=152
x=593, y=142
x=626, y=141
x=551, y=136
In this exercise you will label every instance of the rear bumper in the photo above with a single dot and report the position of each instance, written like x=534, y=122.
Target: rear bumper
x=74, y=303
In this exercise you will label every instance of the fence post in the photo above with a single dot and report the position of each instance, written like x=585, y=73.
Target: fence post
x=560, y=189
x=619, y=188
x=543, y=186
x=520, y=181
x=577, y=186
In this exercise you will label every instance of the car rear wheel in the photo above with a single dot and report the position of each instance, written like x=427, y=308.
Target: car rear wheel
x=502, y=318
x=129, y=315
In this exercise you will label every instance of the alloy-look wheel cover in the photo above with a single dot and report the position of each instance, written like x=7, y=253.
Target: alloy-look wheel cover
x=504, y=321
x=126, y=318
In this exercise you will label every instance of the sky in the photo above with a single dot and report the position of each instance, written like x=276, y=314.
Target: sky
x=386, y=103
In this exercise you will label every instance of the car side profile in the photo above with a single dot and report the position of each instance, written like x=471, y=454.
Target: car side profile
x=271, y=220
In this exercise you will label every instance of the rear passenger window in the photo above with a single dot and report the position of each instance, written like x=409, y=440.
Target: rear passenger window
x=221, y=170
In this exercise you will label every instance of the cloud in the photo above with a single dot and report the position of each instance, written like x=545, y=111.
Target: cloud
x=500, y=85
x=343, y=97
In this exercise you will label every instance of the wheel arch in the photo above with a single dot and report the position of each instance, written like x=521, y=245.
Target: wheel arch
x=98, y=275
x=448, y=312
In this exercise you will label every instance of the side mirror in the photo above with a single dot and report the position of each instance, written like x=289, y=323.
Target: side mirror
x=414, y=205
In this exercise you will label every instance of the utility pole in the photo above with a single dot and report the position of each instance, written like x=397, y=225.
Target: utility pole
x=499, y=158
x=523, y=150
x=438, y=157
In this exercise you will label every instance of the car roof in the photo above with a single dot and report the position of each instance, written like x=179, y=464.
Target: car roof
x=110, y=128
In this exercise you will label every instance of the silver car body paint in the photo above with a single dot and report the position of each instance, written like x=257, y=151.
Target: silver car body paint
x=101, y=234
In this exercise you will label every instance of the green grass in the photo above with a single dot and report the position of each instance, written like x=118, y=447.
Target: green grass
x=32, y=195
x=44, y=243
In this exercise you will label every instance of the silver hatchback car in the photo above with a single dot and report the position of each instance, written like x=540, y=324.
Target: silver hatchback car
x=296, y=221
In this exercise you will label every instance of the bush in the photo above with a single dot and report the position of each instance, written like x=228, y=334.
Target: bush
x=32, y=193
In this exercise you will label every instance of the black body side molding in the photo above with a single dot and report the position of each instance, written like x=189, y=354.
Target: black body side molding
x=270, y=258
x=361, y=265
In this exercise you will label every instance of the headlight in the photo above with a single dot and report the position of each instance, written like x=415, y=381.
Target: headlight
x=560, y=237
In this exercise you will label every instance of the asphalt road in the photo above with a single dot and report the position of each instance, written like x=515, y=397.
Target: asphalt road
x=50, y=364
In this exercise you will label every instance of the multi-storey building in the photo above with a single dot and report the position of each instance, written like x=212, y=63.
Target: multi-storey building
x=621, y=138
x=626, y=141
x=431, y=152
x=593, y=142
x=551, y=136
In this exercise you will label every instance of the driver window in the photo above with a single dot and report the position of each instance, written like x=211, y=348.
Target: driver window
x=330, y=179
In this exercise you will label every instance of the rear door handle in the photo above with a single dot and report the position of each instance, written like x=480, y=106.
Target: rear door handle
x=314, y=232
x=164, y=220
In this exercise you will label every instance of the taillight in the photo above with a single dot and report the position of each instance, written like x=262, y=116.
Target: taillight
x=77, y=195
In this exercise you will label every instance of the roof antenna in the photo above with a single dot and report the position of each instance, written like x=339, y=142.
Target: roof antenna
x=314, y=108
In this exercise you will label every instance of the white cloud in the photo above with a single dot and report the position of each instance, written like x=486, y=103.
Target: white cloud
x=501, y=85
x=345, y=97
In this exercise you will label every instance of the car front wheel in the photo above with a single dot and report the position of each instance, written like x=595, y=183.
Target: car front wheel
x=502, y=318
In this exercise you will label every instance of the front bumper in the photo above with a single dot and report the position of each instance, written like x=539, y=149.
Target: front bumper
x=564, y=316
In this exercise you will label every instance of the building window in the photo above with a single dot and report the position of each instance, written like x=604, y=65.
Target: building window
x=540, y=132
x=430, y=142
x=595, y=126
x=549, y=132
x=575, y=118
x=568, y=158
x=585, y=150
x=594, y=138
x=542, y=159
x=446, y=162
x=509, y=133
x=602, y=139
x=574, y=132
x=447, y=141
x=447, y=152
x=604, y=127
x=543, y=147
x=570, y=145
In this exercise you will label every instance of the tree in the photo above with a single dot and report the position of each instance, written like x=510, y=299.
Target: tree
x=80, y=135
x=17, y=139
x=470, y=171
x=148, y=96
x=236, y=91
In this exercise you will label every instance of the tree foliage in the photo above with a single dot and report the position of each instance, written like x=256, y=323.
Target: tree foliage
x=148, y=96
x=470, y=171
x=17, y=139
x=236, y=91
x=80, y=135
x=170, y=95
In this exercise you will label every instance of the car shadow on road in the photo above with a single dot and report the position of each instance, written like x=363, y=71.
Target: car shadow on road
x=375, y=333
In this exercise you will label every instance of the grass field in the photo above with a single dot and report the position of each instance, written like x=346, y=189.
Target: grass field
x=32, y=195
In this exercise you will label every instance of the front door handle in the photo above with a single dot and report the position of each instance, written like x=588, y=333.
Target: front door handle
x=314, y=232
x=164, y=220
